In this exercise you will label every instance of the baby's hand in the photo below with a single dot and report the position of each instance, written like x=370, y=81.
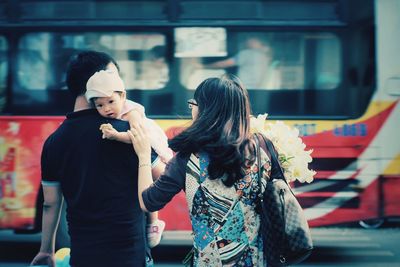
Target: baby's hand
x=108, y=131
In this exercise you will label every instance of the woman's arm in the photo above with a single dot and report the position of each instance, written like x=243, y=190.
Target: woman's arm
x=154, y=196
x=141, y=144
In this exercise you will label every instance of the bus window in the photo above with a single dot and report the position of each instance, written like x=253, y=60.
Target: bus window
x=327, y=61
x=141, y=57
x=42, y=59
x=271, y=64
x=274, y=61
x=34, y=72
x=3, y=72
x=192, y=45
x=39, y=79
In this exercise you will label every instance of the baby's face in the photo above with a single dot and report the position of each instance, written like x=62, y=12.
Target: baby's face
x=110, y=107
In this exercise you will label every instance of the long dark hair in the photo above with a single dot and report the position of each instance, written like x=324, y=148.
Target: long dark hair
x=221, y=128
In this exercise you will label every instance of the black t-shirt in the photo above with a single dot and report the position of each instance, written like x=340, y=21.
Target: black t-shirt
x=98, y=178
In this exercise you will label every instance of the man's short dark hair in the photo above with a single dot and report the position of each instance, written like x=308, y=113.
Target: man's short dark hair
x=82, y=66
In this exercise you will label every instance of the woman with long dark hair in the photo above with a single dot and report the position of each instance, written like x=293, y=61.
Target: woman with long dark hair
x=215, y=165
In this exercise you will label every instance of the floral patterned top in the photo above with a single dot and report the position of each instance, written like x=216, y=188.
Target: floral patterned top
x=224, y=219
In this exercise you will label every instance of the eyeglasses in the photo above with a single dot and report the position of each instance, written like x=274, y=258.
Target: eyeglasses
x=191, y=103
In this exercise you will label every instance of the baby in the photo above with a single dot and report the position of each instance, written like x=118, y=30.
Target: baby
x=106, y=91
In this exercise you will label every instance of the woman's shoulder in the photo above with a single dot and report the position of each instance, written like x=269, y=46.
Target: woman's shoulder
x=179, y=160
x=182, y=156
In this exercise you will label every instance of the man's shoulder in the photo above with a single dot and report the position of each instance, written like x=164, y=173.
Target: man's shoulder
x=55, y=134
x=119, y=122
x=94, y=119
x=55, y=139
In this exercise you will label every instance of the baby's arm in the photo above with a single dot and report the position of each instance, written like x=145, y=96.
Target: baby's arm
x=135, y=117
x=110, y=133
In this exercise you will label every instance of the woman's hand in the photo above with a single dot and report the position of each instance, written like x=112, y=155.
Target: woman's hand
x=141, y=143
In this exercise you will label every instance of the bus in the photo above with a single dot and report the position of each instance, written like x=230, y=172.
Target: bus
x=331, y=68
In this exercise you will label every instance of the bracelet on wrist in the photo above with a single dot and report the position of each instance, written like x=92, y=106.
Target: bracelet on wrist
x=144, y=165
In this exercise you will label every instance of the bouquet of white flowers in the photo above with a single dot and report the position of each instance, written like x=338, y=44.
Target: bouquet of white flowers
x=292, y=155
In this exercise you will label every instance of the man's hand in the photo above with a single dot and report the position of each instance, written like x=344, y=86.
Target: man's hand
x=108, y=131
x=43, y=258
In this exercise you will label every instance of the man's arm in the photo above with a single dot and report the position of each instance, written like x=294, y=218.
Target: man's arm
x=52, y=204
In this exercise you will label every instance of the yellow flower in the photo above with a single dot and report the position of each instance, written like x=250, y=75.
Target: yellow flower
x=293, y=157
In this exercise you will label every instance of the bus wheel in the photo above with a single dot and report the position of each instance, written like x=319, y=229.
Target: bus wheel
x=371, y=224
x=62, y=236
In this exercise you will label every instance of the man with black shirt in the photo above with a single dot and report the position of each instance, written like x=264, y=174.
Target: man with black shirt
x=98, y=179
